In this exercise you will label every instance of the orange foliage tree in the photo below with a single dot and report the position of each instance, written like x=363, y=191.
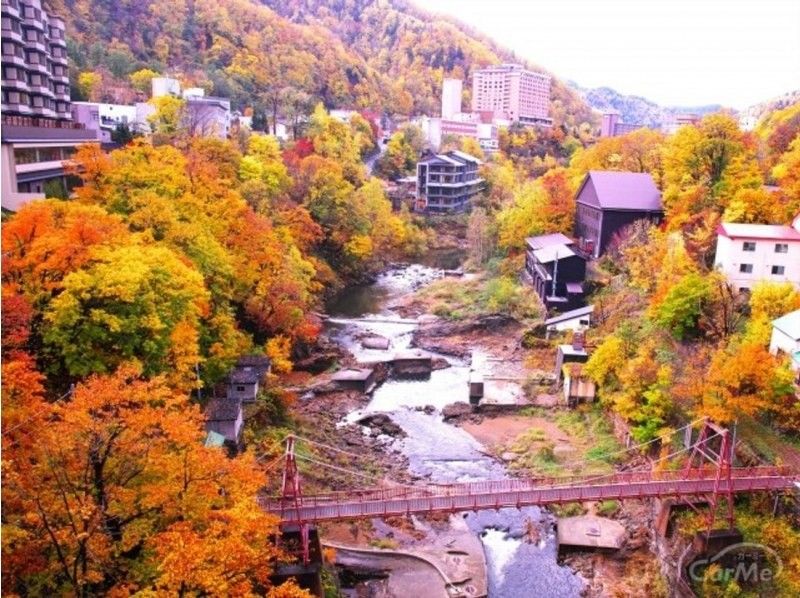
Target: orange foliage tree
x=115, y=493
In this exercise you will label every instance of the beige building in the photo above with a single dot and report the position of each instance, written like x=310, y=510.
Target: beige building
x=511, y=92
x=451, y=98
x=752, y=253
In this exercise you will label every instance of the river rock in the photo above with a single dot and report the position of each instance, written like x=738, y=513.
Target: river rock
x=318, y=362
x=440, y=363
x=383, y=424
x=456, y=410
x=375, y=341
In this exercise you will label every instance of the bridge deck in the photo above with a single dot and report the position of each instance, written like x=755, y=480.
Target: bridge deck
x=403, y=500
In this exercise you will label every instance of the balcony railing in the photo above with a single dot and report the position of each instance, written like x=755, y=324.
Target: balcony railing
x=15, y=120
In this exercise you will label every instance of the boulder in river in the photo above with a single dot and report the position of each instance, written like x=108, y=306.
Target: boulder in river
x=383, y=424
x=456, y=411
x=375, y=341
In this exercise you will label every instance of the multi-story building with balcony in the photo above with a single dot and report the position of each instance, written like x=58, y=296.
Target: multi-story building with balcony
x=447, y=182
x=34, y=53
x=38, y=135
x=509, y=91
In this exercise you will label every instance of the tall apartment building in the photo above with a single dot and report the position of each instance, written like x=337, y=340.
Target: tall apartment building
x=511, y=92
x=451, y=98
x=35, y=78
x=38, y=135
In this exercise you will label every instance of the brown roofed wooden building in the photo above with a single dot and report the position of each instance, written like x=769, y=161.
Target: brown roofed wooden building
x=608, y=201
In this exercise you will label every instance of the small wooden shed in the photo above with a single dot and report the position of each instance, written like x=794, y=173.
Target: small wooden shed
x=573, y=353
x=224, y=416
x=578, y=387
x=243, y=383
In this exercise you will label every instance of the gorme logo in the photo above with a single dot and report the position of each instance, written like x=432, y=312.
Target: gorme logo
x=745, y=563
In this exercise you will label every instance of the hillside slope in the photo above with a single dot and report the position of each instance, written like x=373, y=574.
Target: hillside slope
x=636, y=109
x=379, y=54
x=415, y=49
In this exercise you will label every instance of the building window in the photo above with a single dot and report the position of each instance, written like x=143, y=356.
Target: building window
x=49, y=154
x=749, y=246
x=240, y=389
x=25, y=156
x=778, y=270
x=746, y=268
x=781, y=248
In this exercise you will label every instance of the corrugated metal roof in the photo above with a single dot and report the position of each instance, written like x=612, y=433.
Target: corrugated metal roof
x=552, y=253
x=541, y=241
x=775, y=232
x=244, y=375
x=628, y=191
x=465, y=156
x=223, y=409
x=455, y=158
x=570, y=315
x=789, y=324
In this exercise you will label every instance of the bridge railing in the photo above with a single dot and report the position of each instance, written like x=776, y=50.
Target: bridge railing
x=489, y=487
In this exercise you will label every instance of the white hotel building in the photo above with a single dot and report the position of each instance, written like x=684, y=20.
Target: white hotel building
x=752, y=253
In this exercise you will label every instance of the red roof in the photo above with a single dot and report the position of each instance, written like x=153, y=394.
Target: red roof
x=775, y=232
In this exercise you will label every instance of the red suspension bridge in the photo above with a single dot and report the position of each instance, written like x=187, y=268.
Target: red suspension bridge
x=705, y=476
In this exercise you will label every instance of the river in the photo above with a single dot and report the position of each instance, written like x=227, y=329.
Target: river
x=440, y=452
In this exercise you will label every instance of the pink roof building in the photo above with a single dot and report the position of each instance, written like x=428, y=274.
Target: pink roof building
x=751, y=253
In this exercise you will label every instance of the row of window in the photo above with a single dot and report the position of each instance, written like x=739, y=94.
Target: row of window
x=20, y=98
x=779, y=247
x=33, y=155
x=33, y=57
x=32, y=35
x=748, y=269
x=13, y=73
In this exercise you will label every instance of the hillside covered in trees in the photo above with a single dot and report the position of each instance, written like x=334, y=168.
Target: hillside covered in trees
x=636, y=109
x=362, y=53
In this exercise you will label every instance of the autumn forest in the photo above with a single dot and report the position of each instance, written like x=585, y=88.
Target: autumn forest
x=126, y=303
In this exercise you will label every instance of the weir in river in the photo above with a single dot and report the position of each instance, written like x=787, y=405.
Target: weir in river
x=440, y=452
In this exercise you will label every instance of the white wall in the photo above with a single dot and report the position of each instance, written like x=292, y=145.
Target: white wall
x=573, y=323
x=782, y=342
x=118, y=112
x=451, y=97
x=730, y=255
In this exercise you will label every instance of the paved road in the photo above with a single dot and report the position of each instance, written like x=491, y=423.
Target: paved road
x=373, y=159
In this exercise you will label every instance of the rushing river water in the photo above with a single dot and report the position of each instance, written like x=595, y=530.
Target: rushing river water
x=440, y=452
